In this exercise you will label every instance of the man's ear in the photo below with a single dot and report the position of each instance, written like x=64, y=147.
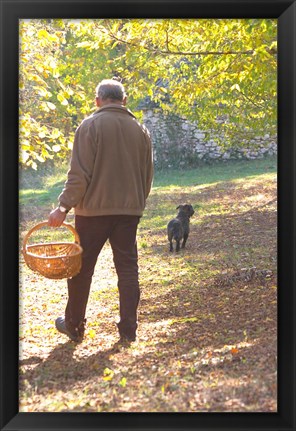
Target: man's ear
x=124, y=101
x=98, y=102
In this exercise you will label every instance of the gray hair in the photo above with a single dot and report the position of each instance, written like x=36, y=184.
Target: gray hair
x=110, y=89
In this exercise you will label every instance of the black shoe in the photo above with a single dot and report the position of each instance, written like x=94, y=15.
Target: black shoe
x=127, y=332
x=124, y=338
x=76, y=334
x=123, y=342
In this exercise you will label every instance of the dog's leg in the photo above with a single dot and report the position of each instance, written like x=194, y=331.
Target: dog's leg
x=184, y=240
x=171, y=245
x=177, y=245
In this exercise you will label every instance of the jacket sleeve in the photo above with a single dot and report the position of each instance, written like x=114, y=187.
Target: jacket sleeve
x=81, y=166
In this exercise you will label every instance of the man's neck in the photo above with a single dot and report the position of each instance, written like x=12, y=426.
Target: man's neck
x=110, y=101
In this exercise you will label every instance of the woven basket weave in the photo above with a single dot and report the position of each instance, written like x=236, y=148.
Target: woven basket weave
x=54, y=260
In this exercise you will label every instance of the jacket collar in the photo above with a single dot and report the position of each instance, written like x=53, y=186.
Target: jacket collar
x=113, y=107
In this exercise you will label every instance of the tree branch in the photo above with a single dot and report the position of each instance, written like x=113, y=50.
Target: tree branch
x=182, y=53
x=250, y=100
x=197, y=53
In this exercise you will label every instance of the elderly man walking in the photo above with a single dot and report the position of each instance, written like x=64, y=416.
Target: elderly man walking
x=108, y=182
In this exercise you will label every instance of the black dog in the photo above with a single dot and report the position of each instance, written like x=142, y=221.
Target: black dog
x=178, y=228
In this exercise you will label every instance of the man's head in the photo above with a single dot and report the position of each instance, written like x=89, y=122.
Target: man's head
x=110, y=91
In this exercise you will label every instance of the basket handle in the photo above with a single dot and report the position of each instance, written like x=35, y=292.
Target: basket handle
x=45, y=223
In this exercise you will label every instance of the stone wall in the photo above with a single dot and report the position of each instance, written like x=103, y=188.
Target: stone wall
x=178, y=143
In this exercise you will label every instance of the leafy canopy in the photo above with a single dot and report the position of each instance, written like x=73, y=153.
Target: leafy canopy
x=221, y=73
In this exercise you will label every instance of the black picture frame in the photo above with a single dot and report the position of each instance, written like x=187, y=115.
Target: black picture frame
x=11, y=12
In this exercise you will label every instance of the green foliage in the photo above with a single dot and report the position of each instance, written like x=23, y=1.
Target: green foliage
x=57, y=80
x=41, y=46
x=220, y=73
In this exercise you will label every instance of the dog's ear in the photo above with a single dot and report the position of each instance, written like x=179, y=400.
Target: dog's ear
x=189, y=209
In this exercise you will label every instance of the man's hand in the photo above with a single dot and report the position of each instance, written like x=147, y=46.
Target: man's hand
x=56, y=218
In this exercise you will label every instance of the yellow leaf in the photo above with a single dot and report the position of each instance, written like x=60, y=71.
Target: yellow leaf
x=108, y=374
x=55, y=134
x=61, y=97
x=123, y=382
x=50, y=105
x=52, y=64
x=42, y=33
x=235, y=87
x=56, y=148
x=92, y=333
x=24, y=156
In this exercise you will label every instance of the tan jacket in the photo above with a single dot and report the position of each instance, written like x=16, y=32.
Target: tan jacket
x=111, y=167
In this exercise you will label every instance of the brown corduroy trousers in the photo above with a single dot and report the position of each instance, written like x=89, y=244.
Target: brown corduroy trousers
x=121, y=230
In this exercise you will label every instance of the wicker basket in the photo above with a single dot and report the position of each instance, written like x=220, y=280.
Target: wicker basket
x=53, y=260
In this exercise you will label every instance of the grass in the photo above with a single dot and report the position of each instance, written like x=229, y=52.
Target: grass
x=43, y=186
x=39, y=191
x=207, y=316
x=209, y=174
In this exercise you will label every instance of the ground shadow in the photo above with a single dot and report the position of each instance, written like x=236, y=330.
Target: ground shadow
x=64, y=369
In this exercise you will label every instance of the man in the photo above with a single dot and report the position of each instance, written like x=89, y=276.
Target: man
x=108, y=183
